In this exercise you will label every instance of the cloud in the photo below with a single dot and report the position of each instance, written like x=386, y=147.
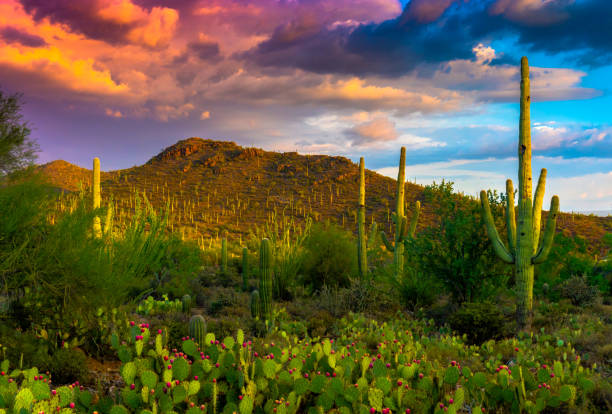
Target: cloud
x=14, y=35
x=52, y=65
x=425, y=11
x=166, y=113
x=113, y=113
x=377, y=130
x=204, y=49
x=584, y=191
x=205, y=115
x=436, y=31
x=113, y=21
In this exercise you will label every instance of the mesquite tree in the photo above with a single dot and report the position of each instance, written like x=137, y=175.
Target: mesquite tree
x=524, y=248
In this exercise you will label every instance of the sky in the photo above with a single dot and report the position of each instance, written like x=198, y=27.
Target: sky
x=123, y=79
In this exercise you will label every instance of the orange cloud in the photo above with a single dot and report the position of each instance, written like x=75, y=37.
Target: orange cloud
x=73, y=74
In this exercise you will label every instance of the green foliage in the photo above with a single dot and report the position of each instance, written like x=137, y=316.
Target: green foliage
x=415, y=290
x=456, y=250
x=330, y=258
x=17, y=150
x=578, y=291
x=399, y=365
x=479, y=321
x=67, y=366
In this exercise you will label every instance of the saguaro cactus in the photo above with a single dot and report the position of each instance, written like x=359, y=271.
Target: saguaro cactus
x=523, y=250
x=403, y=231
x=255, y=304
x=361, y=241
x=265, y=278
x=245, y=268
x=224, y=255
x=97, y=227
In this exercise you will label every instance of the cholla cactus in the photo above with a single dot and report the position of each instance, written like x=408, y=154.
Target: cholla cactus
x=524, y=248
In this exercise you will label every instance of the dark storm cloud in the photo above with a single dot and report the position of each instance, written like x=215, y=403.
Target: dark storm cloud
x=13, y=35
x=204, y=50
x=80, y=16
x=428, y=33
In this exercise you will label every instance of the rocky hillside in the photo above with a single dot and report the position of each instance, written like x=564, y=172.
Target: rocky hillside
x=215, y=186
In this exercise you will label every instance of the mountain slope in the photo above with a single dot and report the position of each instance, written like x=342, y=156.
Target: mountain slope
x=214, y=186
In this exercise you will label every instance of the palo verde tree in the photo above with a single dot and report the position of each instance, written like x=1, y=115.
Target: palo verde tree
x=524, y=248
x=16, y=149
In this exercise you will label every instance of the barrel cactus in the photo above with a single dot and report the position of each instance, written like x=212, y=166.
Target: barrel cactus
x=197, y=329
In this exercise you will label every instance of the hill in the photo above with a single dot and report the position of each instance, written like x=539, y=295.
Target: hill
x=216, y=186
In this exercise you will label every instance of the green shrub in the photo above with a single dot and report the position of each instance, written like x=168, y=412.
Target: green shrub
x=331, y=257
x=67, y=366
x=415, y=290
x=479, y=321
x=456, y=249
x=578, y=291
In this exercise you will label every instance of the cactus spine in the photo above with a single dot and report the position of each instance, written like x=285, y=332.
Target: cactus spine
x=245, y=269
x=224, y=256
x=403, y=232
x=523, y=242
x=97, y=227
x=361, y=230
x=197, y=329
x=265, y=279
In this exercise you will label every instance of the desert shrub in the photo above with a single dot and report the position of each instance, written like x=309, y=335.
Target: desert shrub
x=67, y=366
x=456, y=249
x=415, y=290
x=181, y=262
x=579, y=292
x=331, y=257
x=479, y=321
x=289, y=253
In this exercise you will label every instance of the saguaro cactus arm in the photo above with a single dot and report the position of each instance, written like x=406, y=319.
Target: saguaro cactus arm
x=498, y=245
x=386, y=242
x=549, y=232
x=510, y=217
x=537, y=208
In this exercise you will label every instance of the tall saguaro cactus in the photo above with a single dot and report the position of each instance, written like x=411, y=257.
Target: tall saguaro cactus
x=224, y=256
x=524, y=248
x=361, y=241
x=265, y=278
x=97, y=227
x=403, y=231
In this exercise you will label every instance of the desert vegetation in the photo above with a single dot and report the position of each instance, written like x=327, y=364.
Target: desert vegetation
x=223, y=279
